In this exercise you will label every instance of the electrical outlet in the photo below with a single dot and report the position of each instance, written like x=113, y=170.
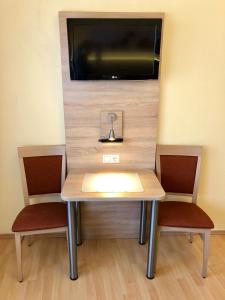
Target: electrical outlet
x=110, y=158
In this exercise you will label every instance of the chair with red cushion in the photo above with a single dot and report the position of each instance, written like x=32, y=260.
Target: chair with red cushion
x=43, y=174
x=178, y=169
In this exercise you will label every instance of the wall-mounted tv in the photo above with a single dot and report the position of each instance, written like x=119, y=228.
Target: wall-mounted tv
x=114, y=48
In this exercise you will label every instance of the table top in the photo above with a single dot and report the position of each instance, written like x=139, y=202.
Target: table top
x=72, y=189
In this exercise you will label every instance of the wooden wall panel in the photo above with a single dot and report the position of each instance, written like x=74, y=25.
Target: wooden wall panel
x=83, y=103
x=82, y=107
x=110, y=220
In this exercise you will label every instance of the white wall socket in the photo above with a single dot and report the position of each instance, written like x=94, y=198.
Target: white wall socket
x=110, y=158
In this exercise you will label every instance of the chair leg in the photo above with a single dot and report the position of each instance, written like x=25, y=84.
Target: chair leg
x=191, y=237
x=19, y=256
x=206, y=237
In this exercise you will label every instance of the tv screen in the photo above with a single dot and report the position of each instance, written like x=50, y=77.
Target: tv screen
x=114, y=48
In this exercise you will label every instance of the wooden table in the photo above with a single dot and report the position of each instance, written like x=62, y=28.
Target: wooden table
x=72, y=193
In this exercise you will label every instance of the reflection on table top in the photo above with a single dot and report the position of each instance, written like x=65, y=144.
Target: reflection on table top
x=72, y=189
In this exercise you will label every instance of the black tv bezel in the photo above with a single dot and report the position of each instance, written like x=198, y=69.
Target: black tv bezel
x=97, y=76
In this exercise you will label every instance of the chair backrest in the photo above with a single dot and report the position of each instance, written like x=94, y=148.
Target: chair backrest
x=42, y=170
x=178, y=169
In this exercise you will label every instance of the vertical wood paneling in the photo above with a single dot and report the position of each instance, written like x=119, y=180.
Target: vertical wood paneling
x=83, y=103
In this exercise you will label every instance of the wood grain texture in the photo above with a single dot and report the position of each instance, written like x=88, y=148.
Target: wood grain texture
x=170, y=233
x=113, y=269
x=107, y=218
x=72, y=189
x=84, y=101
x=82, y=107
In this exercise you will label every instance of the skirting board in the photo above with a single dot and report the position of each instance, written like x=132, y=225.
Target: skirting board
x=44, y=235
x=11, y=235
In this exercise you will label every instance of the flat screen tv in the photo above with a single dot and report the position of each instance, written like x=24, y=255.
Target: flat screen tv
x=114, y=48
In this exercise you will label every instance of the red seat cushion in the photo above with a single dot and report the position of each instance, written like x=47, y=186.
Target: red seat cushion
x=41, y=216
x=182, y=214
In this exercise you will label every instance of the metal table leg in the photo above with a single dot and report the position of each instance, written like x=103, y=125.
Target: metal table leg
x=72, y=239
x=142, y=230
x=152, y=243
x=79, y=241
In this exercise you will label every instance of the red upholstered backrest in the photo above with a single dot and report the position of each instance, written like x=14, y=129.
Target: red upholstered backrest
x=178, y=173
x=43, y=174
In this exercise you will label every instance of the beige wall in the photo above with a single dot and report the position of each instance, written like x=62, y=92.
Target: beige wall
x=192, y=104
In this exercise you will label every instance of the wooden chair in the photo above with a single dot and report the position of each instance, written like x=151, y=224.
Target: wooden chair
x=43, y=174
x=178, y=169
